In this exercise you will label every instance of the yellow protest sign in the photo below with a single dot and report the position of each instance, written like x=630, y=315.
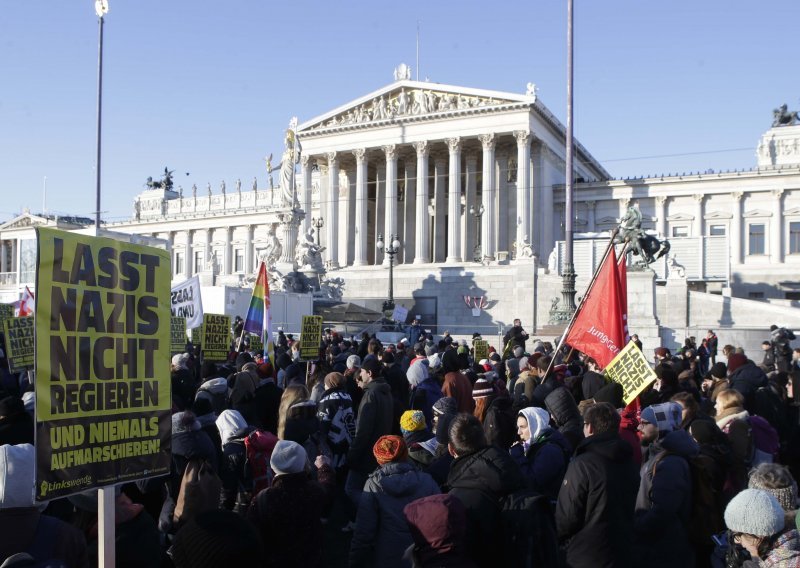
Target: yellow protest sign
x=310, y=338
x=177, y=334
x=216, y=338
x=19, y=343
x=255, y=343
x=102, y=362
x=631, y=370
x=6, y=311
x=481, y=348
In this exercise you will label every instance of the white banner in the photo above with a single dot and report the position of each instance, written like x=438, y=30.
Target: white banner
x=187, y=303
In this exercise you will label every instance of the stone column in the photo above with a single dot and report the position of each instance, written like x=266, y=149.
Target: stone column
x=361, y=207
x=591, y=218
x=390, y=206
x=248, y=251
x=697, y=226
x=471, y=165
x=228, y=252
x=409, y=217
x=523, y=236
x=3, y=257
x=488, y=226
x=305, y=162
x=189, y=260
x=661, y=215
x=503, y=203
x=347, y=210
x=439, y=207
x=454, y=201
x=422, y=248
x=332, y=221
x=380, y=202
x=776, y=228
x=735, y=236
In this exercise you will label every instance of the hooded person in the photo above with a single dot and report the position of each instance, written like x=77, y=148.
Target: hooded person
x=425, y=390
x=182, y=379
x=542, y=452
x=744, y=376
x=565, y=415
x=23, y=527
x=233, y=429
x=757, y=520
x=444, y=411
x=288, y=513
x=381, y=534
x=438, y=526
x=242, y=391
x=455, y=383
x=664, y=502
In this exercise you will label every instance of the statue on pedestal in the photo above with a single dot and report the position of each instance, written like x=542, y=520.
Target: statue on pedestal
x=272, y=252
x=648, y=247
x=290, y=157
x=308, y=254
x=782, y=116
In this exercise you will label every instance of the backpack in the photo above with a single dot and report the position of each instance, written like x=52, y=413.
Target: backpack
x=766, y=443
x=199, y=492
x=258, y=449
x=705, y=518
x=529, y=529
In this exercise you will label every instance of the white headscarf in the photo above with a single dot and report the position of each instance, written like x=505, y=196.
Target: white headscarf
x=538, y=420
x=228, y=422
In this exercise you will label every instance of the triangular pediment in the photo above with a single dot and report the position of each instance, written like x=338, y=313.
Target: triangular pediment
x=680, y=217
x=792, y=211
x=413, y=100
x=607, y=221
x=23, y=221
x=714, y=215
x=757, y=213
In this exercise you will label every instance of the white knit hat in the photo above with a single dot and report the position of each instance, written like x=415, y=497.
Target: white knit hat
x=288, y=457
x=755, y=512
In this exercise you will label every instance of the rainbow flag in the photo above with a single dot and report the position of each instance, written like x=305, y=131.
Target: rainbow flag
x=258, y=320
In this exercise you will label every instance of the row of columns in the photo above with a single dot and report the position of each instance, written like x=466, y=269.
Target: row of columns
x=227, y=266
x=418, y=231
x=9, y=262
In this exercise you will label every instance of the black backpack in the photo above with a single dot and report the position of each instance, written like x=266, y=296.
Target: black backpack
x=530, y=531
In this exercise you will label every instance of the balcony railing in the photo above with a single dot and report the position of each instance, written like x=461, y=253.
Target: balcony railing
x=8, y=279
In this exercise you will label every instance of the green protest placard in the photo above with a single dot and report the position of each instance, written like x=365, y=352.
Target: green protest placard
x=177, y=331
x=630, y=369
x=6, y=311
x=19, y=334
x=310, y=338
x=102, y=363
x=216, y=338
x=481, y=349
x=255, y=343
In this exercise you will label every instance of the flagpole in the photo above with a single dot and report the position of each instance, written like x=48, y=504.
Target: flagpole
x=586, y=295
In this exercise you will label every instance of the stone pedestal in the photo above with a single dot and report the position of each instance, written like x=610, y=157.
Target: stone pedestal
x=289, y=225
x=642, y=319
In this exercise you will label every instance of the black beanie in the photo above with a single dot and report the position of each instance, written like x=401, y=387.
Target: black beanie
x=241, y=359
x=611, y=393
x=719, y=370
x=217, y=539
x=209, y=370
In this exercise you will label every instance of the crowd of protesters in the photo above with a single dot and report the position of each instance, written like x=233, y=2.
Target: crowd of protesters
x=416, y=454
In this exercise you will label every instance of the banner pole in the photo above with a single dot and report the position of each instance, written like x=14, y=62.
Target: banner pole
x=586, y=295
x=106, y=541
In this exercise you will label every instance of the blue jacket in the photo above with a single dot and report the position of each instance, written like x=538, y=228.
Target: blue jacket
x=424, y=397
x=545, y=462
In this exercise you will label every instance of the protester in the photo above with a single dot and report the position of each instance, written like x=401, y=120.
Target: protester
x=542, y=452
x=438, y=526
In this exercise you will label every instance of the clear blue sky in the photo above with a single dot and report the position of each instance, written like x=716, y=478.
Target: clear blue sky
x=208, y=87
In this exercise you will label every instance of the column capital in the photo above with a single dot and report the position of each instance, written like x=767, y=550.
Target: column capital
x=305, y=160
x=661, y=200
x=453, y=144
x=332, y=158
x=391, y=151
x=698, y=197
x=777, y=193
x=737, y=195
x=360, y=154
x=487, y=140
x=422, y=148
x=523, y=137
x=590, y=205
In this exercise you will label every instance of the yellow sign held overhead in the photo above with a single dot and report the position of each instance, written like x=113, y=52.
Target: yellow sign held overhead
x=631, y=370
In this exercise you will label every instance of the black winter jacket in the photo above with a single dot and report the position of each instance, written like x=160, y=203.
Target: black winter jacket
x=564, y=411
x=375, y=419
x=747, y=379
x=594, y=513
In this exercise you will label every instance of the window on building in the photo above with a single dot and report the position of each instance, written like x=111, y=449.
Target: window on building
x=716, y=230
x=755, y=295
x=756, y=239
x=198, y=261
x=794, y=237
x=179, y=268
x=680, y=231
x=792, y=295
x=238, y=257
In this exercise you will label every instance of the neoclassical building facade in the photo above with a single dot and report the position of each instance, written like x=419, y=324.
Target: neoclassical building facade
x=471, y=184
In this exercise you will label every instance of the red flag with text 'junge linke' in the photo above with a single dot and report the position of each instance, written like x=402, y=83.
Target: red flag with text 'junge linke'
x=598, y=329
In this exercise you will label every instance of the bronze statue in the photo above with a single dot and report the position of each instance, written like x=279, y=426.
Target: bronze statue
x=782, y=116
x=648, y=247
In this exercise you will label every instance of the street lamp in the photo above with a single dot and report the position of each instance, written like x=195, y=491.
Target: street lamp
x=391, y=249
x=317, y=223
x=477, y=213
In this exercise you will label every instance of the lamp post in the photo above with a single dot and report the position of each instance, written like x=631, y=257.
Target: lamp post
x=101, y=9
x=317, y=223
x=391, y=249
x=477, y=213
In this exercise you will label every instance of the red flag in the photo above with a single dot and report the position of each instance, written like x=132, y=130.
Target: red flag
x=26, y=304
x=622, y=272
x=598, y=329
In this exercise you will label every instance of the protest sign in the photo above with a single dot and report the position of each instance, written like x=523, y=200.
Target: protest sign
x=310, y=338
x=400, y=314
x=481, y=349
x=6, y=311
x=631, y=370
x=102, y=363
x=177, y=330
x=186, y=302
x=19, y=343
x=255, y=343
x=216, y=338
